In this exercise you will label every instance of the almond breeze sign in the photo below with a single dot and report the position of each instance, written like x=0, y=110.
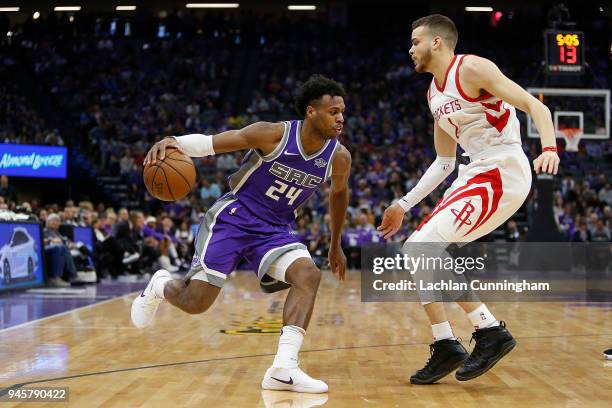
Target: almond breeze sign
x=33, y=161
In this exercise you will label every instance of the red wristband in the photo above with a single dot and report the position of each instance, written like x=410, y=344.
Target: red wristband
x=550, y=149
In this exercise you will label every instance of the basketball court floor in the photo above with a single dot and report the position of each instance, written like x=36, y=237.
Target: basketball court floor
x=365, y=351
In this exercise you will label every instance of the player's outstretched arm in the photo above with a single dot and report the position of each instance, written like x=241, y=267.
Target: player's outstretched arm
x=260, y=135
x=480, y=73
x=338, y=203
x=446, y=150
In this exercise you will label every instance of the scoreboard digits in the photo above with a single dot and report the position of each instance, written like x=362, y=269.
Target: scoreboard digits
x=564, y=52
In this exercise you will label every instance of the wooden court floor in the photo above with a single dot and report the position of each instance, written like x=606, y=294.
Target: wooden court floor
x=365, y=351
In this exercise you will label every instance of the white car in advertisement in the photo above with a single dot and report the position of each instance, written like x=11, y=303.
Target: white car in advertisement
x=19, y=257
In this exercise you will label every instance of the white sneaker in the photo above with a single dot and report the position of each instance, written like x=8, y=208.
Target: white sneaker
x=145, y=305
x=282, y=399
x=291, y=379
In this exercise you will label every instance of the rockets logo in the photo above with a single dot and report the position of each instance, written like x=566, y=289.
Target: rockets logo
x=478, y=186
x=464, y=215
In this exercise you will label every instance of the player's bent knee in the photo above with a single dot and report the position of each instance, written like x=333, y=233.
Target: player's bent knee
x=195, y=307
x=314, y=276
x=306, y=277
x=198, y=305
x=199, y=297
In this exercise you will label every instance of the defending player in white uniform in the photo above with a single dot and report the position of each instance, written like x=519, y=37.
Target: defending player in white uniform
x=473, y=104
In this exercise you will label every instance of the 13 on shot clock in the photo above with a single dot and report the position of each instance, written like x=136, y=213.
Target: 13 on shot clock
x=564, y=51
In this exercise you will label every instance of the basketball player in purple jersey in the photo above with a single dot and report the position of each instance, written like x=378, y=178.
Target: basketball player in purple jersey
x=286, y=163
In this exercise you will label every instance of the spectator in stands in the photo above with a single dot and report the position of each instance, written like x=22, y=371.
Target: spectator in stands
x=123, y=215
x=605, y=194
x=226, y=162
x=6, y=190
x=108, y=254
x=582, y=234
x=600, y=233
x=128, y=236
x=126, y=162
x=86, y=218
x=512, y=232
x=53, y=138
x=186, y=240
x=184, y=234
x=565, y=221
x=60, y=265
x=607, y=217
x=111, y=221
x=141, y=251
x=70, y=215
x=150, y=227
x=209, y=191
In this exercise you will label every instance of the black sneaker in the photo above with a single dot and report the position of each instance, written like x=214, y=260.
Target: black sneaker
x=446, y=356
x=492, y=344
x=608, y=354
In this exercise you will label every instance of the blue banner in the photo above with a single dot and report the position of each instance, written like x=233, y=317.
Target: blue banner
x=33, y=161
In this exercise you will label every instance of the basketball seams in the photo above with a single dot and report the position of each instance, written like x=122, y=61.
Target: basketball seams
x=178, y=160
x=168, y=184
x=179, y=173
x=152, y=180
x=169, y=156
x=167, y=159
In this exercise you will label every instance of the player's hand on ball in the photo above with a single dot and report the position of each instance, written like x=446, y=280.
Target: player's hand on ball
x=392, y=221
x=337, y=261
x=158, y=150
x=547, y=162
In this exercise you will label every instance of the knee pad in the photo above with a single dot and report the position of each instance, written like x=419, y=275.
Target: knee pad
x=271, y=285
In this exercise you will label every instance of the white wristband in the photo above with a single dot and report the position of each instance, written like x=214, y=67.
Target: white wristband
x=435, y=174
x=196, y=145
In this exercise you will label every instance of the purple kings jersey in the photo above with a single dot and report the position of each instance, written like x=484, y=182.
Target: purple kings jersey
x=272, y=187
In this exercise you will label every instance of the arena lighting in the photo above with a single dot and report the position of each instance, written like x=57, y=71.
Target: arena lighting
x=302, y=7
x=125, y=8
x=9, y=8
x=212, y=5
x=36, y=15
x=67, y=8
x=478, y=8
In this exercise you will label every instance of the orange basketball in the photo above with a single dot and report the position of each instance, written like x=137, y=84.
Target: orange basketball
x=172, y=178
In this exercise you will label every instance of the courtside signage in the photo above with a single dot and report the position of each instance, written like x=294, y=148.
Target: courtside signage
x=33, y=161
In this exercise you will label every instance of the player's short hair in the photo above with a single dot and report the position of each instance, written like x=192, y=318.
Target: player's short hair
x=315, y=88
x=439, y=25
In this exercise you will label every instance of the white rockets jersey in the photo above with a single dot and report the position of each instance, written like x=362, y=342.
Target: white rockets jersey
x=475, y=123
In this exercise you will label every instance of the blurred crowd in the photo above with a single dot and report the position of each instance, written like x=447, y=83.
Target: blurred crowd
x=116, y=95
x=583, y=208
x=125, y=242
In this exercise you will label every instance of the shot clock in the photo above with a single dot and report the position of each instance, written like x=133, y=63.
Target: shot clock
x=564, y=51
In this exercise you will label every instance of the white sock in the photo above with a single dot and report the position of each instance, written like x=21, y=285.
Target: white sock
x=159, y=285
x=482, y=318
x=289, y=345
x=442, y=331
